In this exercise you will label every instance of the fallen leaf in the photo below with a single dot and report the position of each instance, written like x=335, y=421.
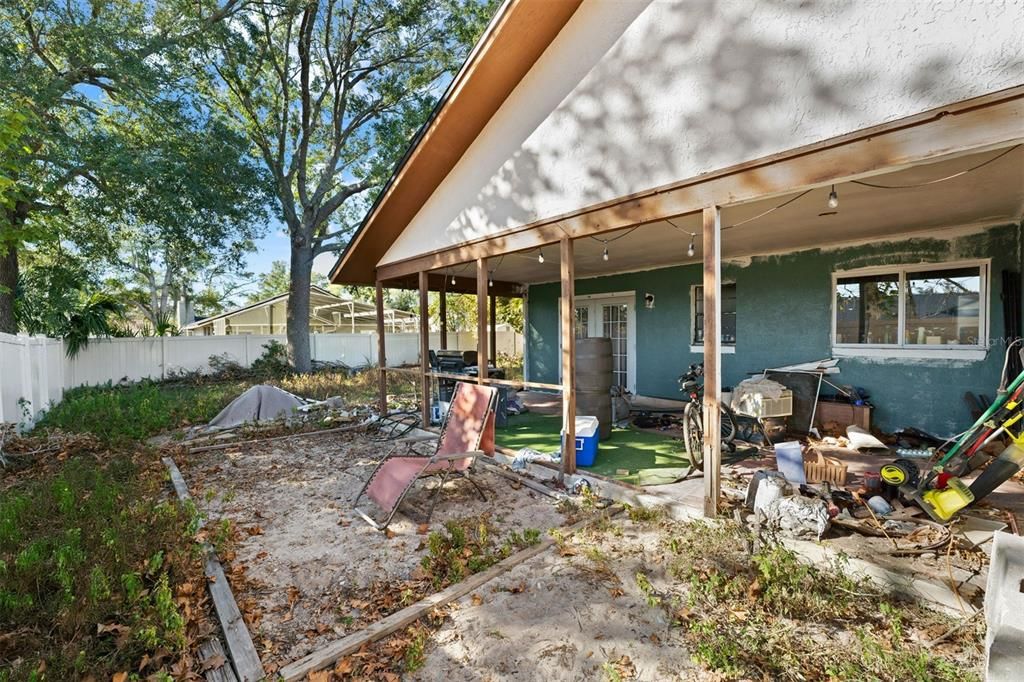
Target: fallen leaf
x=388, y=533
x=320, y=676
x=344, y=666
x=254, y=530
x=477, y=600
x=119, y=677
x=423, y=528
x=212, y=663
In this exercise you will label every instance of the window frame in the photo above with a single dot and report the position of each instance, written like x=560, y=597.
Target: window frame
x=724, y=348
x=903, y=349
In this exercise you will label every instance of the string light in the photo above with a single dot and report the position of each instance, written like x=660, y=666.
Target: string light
x=604, y=255
x=540, y=256
x=833, y=198
x=490, y=279
x=453, y=279
x=691, y=249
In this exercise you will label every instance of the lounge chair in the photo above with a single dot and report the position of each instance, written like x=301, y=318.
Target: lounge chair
x=467, y=432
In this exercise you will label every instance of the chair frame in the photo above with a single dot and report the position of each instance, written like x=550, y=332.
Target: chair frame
x=411, y=442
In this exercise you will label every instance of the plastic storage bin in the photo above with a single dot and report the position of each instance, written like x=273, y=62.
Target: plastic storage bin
x=587, y=437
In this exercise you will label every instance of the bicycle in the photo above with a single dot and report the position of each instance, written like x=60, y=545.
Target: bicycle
x=693, y=417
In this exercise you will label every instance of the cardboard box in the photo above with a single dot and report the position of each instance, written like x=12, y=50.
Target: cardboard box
x=843, y=414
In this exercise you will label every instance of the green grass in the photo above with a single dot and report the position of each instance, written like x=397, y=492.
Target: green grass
x=120, y=415
x=89, y=565
x=650, y=458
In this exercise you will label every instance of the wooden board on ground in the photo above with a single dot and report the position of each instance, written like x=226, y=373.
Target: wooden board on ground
x=214, y=662
x=322, y=658
x=243, y=654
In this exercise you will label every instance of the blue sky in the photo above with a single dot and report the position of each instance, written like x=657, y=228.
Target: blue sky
x=274, y=246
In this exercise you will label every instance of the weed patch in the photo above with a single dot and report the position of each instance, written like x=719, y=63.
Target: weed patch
x=468, y=546
x=95, y=576
x=769, y=615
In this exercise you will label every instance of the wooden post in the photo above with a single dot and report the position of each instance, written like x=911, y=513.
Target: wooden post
x=481, y=320
x=424, y=349
x=442, y=312
x=568, y=312
x=382, y=361
x=494, y=329
x=712, y=238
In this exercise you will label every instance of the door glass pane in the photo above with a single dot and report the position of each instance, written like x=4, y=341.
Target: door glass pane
x=943, y=307
x=582, y=321
x=867, y=309
x=614, y=320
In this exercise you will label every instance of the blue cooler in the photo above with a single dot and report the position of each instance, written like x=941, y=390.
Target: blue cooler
x=586, y=440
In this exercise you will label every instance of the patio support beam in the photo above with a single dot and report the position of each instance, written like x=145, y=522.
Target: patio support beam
x=442, y=312
x=568, y=310
x=382, y=361
x=481, y=320
x=424, y=350
x=712, y=238
x=494, y=329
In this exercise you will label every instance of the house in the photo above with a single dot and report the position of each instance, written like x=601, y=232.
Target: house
x=747, y=184
x=328, y=314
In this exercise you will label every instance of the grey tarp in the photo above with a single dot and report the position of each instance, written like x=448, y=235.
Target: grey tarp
x=258, y=404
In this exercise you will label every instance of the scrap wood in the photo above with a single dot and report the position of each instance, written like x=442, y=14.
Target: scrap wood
x=533, y=485
x=240, y=646
x=953, y=630
x=320, y=659
x=255, y=441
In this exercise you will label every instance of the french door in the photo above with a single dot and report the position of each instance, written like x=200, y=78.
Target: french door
x=611, y=316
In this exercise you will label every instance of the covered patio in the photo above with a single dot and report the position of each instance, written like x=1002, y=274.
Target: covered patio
x=939, y=177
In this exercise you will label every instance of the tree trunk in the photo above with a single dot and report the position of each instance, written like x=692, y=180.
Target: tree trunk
x=299, y=275
x=8, y=286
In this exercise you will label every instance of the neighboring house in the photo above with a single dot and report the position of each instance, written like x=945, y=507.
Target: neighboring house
x=327, y=314
x=849, y=175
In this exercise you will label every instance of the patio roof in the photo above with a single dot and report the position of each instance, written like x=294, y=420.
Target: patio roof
x=992, y=193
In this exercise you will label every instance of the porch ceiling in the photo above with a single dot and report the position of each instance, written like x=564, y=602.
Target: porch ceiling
x=989, y=194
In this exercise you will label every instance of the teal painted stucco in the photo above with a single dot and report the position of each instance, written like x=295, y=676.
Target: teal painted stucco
x=783, y=316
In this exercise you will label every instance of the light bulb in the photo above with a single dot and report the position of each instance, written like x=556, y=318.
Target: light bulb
x=490, y=280
x=604, y=255
x=691, y=249
x=453, y=279
x=540, y=257
x=833, y=198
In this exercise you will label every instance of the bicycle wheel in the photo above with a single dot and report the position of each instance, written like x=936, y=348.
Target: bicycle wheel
x=693, y=434
x=728, y=425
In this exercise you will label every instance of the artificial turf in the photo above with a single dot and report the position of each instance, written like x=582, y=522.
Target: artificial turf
x=630, y=455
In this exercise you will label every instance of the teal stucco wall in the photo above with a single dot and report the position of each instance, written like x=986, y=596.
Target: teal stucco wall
x=783, y=316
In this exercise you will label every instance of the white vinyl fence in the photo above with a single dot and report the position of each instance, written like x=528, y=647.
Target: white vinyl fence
x=34, y=371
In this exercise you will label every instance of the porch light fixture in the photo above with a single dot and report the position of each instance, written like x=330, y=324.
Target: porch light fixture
x=604, y=256
x=453, y=279
x=833, y=198
x=540, y=256
x=691, y=249
x=490, y=279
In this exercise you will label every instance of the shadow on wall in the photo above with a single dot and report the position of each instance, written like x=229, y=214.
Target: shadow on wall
x=667, y=90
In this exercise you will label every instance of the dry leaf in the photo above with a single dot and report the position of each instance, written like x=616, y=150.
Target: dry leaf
x=320, y=676
x=477, y=600
x=388, y=533
x=254, y=530
x=212, y=663
x=344, y=666
x=119, y=677
x=423, y=528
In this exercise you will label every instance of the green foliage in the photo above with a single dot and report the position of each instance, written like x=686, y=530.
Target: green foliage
x=72, y=589
x=273, y=361
x=276, y=281
x=767, y=614
x=467, y=546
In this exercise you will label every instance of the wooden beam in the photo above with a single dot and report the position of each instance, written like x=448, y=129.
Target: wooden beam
x=322, y=658
x=463, y=284
x=494, y=330
x=495, y=382
x=712, y=238
x=442, y=313
x=481, y=320
x=966, y=127
x=568, y=314
x=424, y=350
x=244, y=658
x=382, y=360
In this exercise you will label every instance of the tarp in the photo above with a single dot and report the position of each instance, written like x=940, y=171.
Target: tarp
x=259, y=404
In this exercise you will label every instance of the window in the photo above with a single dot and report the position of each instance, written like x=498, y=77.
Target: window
x=920, y=308
x=728, y=315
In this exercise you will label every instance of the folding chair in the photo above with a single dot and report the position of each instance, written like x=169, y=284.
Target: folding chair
x=467, y=432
